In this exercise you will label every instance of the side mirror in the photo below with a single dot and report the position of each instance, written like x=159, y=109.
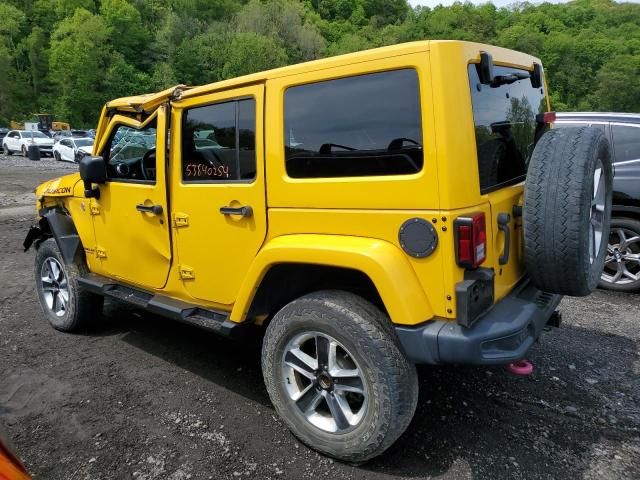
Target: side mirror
x=92, y=170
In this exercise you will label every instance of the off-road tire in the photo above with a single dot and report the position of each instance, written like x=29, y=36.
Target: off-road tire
x=7, y=152
x=557, y=210
x=83, y=307
x=367, y=334
x=631, y=230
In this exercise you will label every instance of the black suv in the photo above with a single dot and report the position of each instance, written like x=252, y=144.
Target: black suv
x=622, y=267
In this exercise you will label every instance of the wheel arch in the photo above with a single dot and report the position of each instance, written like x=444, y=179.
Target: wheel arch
x=622, y=210
x=372, y=268
x=56, y=224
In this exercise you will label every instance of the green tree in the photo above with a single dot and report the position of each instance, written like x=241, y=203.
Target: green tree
x=79, y=56
x=126, y=35
x=619, y=85
x=251, y=52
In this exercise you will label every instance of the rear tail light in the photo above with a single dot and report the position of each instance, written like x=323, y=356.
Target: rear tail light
x=471, y=240
x=546, y=117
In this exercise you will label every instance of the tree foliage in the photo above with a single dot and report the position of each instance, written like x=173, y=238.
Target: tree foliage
x=70, y=56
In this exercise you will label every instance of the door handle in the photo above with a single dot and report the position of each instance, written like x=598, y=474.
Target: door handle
x=245, y=211
x=503, y=224
x=155, y=209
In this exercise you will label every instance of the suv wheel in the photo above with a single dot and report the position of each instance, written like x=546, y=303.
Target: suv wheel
x=337, y=376
x=66, y=304
x=622, y=264
x=25, y=153
x=567, y=210
x=7, y=152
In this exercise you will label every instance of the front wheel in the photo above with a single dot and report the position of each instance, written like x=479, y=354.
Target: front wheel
x=622, y=264
x=24, y=151
x=56, y=155
x=7, y=152
x=67, y=306
x=337, y=376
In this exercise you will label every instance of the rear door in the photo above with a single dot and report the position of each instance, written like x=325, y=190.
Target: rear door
x=505, y=125
x=218, y=190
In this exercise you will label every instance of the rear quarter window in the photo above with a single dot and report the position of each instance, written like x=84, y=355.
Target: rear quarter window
x=626, y=142
x=365, y=125
x=505, y=125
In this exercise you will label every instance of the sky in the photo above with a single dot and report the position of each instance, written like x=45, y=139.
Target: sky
x=499, y=3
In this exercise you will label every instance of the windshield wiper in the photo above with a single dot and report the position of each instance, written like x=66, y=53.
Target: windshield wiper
x=508, y=79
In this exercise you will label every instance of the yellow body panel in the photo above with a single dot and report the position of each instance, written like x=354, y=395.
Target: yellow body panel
x=133, y=246
x=387, y=267
x=195, y=254
x=218, y=249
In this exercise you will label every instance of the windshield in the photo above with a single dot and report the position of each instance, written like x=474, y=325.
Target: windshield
x=34, y=134
x=505, y=125
x=84, y=142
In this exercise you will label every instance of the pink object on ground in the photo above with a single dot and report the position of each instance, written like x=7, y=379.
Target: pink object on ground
x=522, y=368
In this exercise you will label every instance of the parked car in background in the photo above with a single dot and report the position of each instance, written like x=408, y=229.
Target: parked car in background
x=3, y=132
x=72, y=149
x=622, y=265
x=19, y=141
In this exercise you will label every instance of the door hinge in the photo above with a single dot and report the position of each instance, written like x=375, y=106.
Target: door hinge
x=186, y=273
x=101, y=252
x=94, y=208
x=180, y=220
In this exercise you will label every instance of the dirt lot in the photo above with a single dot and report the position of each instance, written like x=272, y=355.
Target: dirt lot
x=141, y=397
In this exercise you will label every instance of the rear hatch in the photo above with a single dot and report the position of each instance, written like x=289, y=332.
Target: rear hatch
x=505, y=114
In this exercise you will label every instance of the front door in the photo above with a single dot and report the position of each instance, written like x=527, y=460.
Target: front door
x=218, y=190
x=130, y=217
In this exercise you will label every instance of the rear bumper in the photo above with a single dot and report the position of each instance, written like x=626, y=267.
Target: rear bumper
x=503, y=335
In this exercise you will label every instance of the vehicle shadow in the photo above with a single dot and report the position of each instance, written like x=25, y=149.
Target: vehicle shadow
x=203, y=353
x=471, y=422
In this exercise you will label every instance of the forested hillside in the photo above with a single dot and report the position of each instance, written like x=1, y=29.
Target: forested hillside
x=70, y=56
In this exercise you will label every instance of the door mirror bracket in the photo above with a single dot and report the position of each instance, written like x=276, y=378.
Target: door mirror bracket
x=92, y=170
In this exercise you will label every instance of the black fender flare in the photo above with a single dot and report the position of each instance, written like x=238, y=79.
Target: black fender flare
x=60, y=226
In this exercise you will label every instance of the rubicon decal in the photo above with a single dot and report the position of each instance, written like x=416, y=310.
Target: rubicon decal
x=57, y=191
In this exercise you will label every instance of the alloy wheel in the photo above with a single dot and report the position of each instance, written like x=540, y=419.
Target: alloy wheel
x=324, y=382
x=597, y=212
x=622, y=264
x=55, y=287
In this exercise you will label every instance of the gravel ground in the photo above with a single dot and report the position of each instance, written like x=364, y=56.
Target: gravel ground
x=142, y=397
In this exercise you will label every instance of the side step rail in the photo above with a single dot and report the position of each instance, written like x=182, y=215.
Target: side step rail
x=207, y=319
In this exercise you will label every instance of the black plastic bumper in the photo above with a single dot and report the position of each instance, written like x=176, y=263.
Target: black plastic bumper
x=503, y=335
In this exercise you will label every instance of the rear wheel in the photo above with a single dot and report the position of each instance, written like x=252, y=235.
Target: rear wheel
x=622, y=264
x=567, y=210
x=68, y=306
x=24, y=151
x=337, y=376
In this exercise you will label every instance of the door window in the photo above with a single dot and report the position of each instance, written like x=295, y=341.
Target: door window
x=364, y=125
x=626, y=142
x=218, y=142
x=130, y=154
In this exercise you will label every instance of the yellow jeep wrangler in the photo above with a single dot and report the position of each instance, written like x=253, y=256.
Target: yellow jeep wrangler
x=368, y=212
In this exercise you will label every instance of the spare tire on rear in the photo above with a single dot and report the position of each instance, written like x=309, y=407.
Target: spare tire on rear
x=567, y=210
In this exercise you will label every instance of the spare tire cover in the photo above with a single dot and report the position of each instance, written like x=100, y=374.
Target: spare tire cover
x=567, y=210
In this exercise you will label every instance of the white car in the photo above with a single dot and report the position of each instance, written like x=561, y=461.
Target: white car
x=72, y=149
x=19, y=141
